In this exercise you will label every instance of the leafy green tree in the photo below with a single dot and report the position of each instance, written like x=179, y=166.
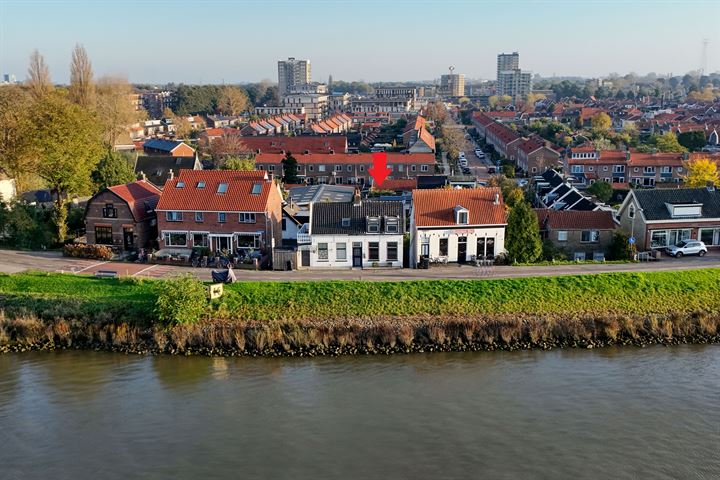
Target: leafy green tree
x=69, y=147
x=290, y=169
x=514, y=196
x=113, y=169
x=620, y=248
x=18, y=157
x=242, y=164
x=522, y=239
x=180, y=300
x=693, y=141
x=668, y=143
x=602, y=190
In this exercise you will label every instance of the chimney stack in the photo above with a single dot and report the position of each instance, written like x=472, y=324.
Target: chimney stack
x=172, y=174
x=356, y=198
x=143, y=176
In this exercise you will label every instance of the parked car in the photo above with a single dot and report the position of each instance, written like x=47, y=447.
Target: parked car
x=479, y=152
x=466, y=171
x=687, y=247
x=491, y=170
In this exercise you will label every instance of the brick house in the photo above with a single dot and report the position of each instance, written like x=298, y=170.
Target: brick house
x=123, y=216
x=220, y=209
x=659, y=218
x=584, y=235
x=348, y=169
x=534, y=157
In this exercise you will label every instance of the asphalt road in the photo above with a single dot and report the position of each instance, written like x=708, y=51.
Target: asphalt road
x=14, y=261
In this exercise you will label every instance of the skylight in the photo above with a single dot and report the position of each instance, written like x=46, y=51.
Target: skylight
x=201, y=185
x=180, y=185
x=257, y=188
x=222, y=188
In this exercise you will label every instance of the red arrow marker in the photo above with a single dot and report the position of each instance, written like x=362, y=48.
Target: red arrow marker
x=379, y=170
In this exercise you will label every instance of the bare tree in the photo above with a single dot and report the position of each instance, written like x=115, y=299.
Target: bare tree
x=227, y=145
x=233, y=101
x=82, y=88
x=115, y=110
x=38, y=76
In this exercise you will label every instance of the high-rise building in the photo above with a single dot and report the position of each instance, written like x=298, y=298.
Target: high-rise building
x=292, y=72
x=507, y=61
x=510, y=79
x=453, y=84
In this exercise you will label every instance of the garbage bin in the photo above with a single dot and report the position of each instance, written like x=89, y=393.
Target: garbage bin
x=424, y=262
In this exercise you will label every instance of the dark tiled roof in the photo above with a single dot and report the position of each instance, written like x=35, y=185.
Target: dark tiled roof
x=327, y=217
x=157, y=167
x=653, y=201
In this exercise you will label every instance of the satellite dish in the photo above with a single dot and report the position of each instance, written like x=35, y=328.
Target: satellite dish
x=452, y=69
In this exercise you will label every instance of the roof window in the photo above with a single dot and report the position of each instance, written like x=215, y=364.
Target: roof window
x=180, y=184
x=222, y=188
x=201, y=185
x=257, y=188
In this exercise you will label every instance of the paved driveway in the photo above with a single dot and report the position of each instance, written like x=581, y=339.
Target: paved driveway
x=13, y=261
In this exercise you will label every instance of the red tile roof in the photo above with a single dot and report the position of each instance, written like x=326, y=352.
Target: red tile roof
x=575, y=219
x=137, y=195
x=297, y=144
x=436, y=208
x=238, y=198
x=427, y=137
x=404, y=184
x=393, y=158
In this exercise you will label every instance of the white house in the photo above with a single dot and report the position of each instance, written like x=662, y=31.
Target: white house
x=457, y=225
x=360, y=234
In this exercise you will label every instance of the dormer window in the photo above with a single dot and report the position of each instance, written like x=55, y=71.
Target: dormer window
x=222, y=188
x=373, y=224
x=462, y=215
x=685, y=211
x=392, y=225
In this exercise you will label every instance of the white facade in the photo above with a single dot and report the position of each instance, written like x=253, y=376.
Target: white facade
x=357, y=251
x=446, y=242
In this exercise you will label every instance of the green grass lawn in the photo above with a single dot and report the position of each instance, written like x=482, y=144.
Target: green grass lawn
x=131, y=299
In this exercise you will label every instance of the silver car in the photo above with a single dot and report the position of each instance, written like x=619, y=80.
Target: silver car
x=687, y=247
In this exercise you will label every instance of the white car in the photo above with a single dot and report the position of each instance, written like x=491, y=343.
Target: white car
x=687, y=247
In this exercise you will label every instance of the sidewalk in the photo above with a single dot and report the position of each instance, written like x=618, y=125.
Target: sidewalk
x=15, y=261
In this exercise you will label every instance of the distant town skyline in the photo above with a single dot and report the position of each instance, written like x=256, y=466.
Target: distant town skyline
x=236, y=42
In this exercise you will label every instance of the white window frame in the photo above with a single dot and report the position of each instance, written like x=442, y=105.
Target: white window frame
x=562, y=235
x=247, y=217
x=174, y=216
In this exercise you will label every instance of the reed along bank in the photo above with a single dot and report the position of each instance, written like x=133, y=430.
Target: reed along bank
x=51, y=311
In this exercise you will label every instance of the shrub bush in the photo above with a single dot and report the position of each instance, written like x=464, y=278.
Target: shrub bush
x=81, y=250
x=180, y=300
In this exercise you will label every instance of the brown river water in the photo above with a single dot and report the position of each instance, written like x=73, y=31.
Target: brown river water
x=614, y=413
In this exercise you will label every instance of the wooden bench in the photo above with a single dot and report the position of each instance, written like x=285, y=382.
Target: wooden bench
x=106, y=274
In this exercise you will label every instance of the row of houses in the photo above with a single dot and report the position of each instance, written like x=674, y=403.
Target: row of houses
x=241, y=212
x=532, y=155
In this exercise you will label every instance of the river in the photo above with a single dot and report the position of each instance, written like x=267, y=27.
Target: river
x=614, y=413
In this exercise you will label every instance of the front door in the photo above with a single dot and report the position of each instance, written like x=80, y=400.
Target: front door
x=222, y=243
x=128, y=239
x=305, y=258
x=462, y=249
x=357, y=254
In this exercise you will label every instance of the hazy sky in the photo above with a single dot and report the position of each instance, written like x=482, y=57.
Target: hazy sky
x=210, y=41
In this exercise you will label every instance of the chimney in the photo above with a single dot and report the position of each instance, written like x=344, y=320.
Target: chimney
x=356, y=198
x=143, y=176
x=497, y=199
x=172, y=174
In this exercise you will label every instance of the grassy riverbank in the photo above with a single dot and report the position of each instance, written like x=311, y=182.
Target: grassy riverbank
x=49, y=310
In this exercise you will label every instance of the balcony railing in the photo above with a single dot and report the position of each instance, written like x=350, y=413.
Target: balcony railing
x=303, y=237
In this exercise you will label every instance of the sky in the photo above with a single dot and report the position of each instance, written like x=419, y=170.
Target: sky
x=216, y=41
